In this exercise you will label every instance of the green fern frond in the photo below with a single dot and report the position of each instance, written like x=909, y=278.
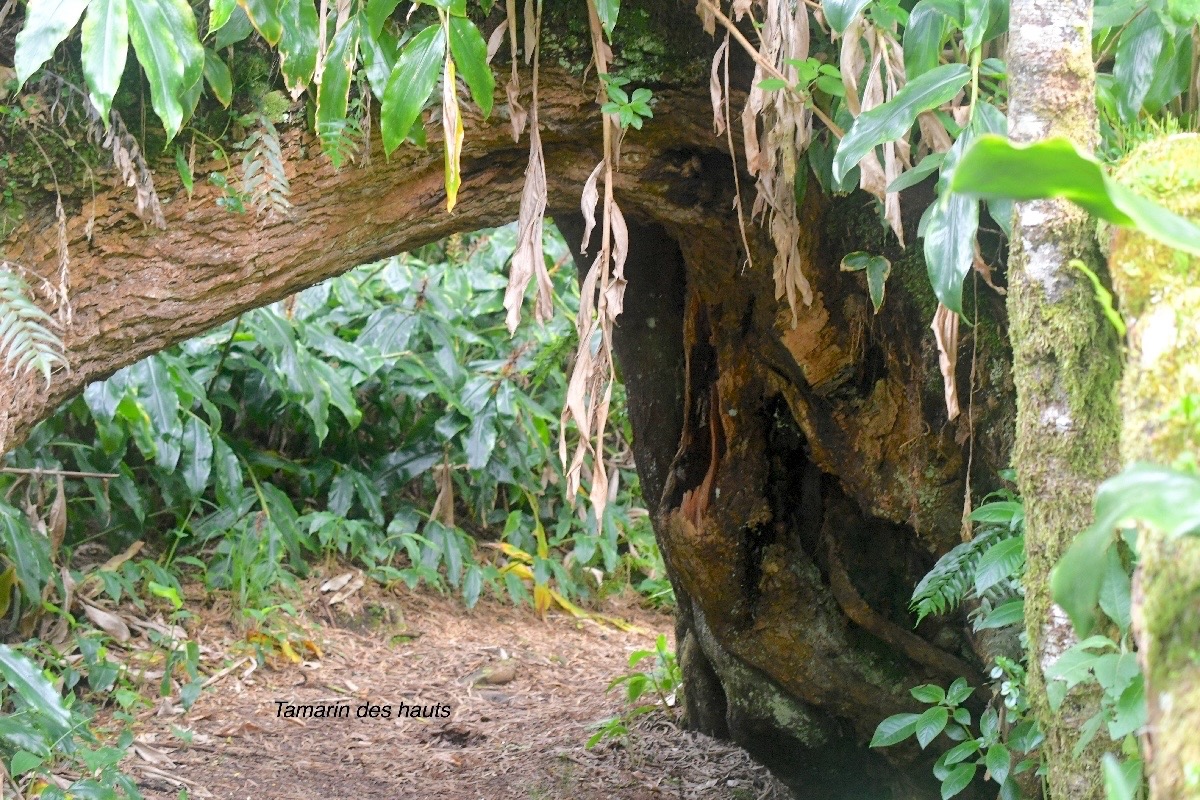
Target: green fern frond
x=25, y=342
x=263, y=178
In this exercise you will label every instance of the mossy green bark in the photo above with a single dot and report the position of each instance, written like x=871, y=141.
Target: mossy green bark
x=1159, y=290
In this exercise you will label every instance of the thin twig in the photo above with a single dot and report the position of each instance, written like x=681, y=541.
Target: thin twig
x=224, y=352
x=66, y=473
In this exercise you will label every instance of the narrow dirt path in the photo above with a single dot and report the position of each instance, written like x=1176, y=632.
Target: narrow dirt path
x=520, y=737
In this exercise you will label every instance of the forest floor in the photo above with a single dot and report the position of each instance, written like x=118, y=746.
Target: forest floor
x=520, y=737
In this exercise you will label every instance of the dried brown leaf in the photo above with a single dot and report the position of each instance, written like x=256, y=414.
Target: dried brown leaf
x=945, y=331
x=496, y=39
x=707, y=18
x=587, y=204
x=716, y=88
x=111, y=624
x=443, y=506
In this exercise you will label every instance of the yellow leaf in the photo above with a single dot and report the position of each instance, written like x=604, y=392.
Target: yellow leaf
x=522, y=571
x=452, y=128
x=541, y=599
x=285, y=647
x=8, y=582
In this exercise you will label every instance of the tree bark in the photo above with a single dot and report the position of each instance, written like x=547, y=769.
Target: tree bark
x=1160, y=299
x=1065, y=360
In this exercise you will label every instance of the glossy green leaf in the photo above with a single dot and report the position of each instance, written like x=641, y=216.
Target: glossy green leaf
x=1138, y=51
x=1115, y=597
x=219, y=12
x=930, y=724
x=959, y=778
x=1162, y=497
x=377, y=12
x=470, y=56
x=378, y=52
x=334, y=92
x=47, y=24
x=894, y=729
x=607, y=11
x=235, y=30
x=949, y=228
x=264, y=16
x=23, y=761
x=220, y=81
x=923, y=38
x=196, y=464
x=410, y=85
x=105, y=44
x=24, y=678
x=977, y=14
x=959, y=691
x=840, y=13
x=472, y=585
x=877, y=268
x=894, y=118
x=928, y=693
x=164, y=38
x=185, y=172
x=29, y=552
x=297, y=43
x=998, y=762
x=1010, y=612
x=929, y=164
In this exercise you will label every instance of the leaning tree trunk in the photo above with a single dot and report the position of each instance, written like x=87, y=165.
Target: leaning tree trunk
x=1160, y=298
x=1065, y=359
x=802, y=476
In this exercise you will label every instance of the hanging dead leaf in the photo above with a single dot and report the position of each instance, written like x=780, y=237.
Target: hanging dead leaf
x=443, y=506
x=116, y=561
x=57, y=526
x=945, y=331
x=587, y=204
x=452, y=129
x=716, y=87
x=496, y=39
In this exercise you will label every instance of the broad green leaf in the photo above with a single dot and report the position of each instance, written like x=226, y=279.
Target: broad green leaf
x=197, y=455
x=378, y=12
x=949, y=228
x=220, y=81
x=998, y=762
x=158, y=394
x=1129, y=715
x=105, y=43
x=334, y=92
x=959, y=778
x=894, y=729
x=219, y=12
x=1162, y=497
x=607, y=11
x=185, y=171
x=1137, y=54
x=961, y=752
x=470, y=57
x=378, y=52
x=959, y=691
x=1116, y=591
x=977, y=14
x=1002, y=560
x=24, y=678
x=457, y=8
x=472, y=585
x=298, y=43
x=877, y=268
x=264, y=16
x=23, y=761
x=1000, y=512
x=410, y=85
x=923, y=37
x=22, y=736
x=1119, y=783
x=930, y=724
x=894, y=118
x=1010, y=612
x=47, y=23
x=235, y=30
x=918, y=173
x=992, y=167
x=164, y=38
x=928, y=693
x=29, y=552
x=840, y=13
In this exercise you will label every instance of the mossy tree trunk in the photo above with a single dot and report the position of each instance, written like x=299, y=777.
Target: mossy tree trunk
x=1065, y=359
x=1160, y=298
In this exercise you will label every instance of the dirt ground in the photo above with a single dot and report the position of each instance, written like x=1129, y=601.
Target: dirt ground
x=519, y=737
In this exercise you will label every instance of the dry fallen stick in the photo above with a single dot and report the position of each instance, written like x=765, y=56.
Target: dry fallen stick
x=65, y=473
x=216, y=676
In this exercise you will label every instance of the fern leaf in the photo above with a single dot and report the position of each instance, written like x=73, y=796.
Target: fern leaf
x=26, y=344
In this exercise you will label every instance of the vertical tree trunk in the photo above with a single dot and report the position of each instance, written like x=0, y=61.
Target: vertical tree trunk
x=1065, y=359
x=1160, y=298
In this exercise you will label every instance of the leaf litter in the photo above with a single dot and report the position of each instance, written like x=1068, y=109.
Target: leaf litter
x=517, y=738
